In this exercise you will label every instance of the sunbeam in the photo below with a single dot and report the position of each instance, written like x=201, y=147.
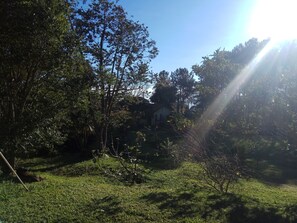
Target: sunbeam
x=210, y=116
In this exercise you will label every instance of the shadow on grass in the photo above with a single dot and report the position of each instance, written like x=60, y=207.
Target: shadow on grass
x=160, y=163
x=290, y=211
x=275, y=174
x=53, y=163
x=104, y=208
x=227, y=207
x=4, y=178
x=181, y=205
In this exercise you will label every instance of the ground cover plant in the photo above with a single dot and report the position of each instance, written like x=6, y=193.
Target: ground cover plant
x=81, y=192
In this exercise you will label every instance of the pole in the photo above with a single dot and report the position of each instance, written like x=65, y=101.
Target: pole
x=6, y=161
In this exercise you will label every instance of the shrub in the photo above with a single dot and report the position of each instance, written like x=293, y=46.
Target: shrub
x=221, y=171
x=129, y=160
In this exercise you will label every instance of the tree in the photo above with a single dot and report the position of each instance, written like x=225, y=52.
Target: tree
x=214, y=74
x=119, y=51
x=162, y=78
x=185, y=84
x=244, y=53
x=259, y=122
x=270, y=104
x=165, y=92
x=36, y=50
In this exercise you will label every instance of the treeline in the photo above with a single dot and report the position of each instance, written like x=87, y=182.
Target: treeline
x=73, y=75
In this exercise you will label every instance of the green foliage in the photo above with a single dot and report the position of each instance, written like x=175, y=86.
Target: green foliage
x=169, y=196
x=71, y=77
x=39, y=57
x=259, y=121
x=119, y=51
x=129, y=170
x=180, y=123
x=214, y=74
x=170, y=150
x=165, y=91
x=130, y=161
x=220, y=172
x=165, y=95
x=185, y=84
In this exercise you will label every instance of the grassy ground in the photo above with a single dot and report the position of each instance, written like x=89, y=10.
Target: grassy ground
x=82, y=192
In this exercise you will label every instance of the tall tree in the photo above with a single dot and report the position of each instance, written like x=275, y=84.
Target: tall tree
x=185, y=84
x=260, y=120
x=214, y=74
x=36, y=49
x=164, y=91
x=119, y=51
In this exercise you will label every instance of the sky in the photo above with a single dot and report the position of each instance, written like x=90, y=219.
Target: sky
x=187, y=30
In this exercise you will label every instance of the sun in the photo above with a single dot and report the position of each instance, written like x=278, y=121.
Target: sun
x=274, y=19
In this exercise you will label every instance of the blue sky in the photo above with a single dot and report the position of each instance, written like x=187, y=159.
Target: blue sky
x=187, y=30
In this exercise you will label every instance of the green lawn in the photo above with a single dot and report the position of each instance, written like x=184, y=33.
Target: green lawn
x=81, y=192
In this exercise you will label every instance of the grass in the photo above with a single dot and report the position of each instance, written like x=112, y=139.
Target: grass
x=82, y=192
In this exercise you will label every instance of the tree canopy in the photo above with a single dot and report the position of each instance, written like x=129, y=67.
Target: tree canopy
x=38, y=56
x=119, y=51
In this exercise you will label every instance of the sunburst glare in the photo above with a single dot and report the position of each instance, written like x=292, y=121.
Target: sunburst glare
x=274, y=19
x=210, y=116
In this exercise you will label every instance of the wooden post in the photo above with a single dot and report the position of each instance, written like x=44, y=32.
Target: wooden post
x=6, y=161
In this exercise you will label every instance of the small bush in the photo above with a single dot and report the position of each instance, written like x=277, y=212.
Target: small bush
x=129, y=159
x=221, y=171
x=170, y=150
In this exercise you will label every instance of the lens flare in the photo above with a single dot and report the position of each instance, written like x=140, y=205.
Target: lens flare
x=210, y=116
x=275, y=19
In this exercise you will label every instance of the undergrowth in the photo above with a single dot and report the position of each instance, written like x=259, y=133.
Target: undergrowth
x=85, y=192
